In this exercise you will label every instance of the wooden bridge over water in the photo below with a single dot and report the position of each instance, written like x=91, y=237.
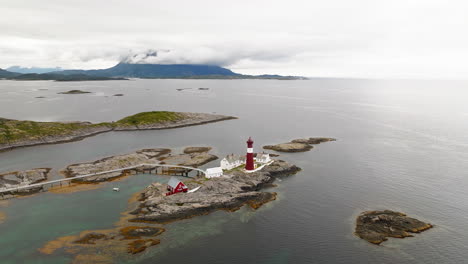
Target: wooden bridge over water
x=144, y=168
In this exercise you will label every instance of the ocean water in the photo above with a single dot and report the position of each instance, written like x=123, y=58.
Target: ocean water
x=401, y=145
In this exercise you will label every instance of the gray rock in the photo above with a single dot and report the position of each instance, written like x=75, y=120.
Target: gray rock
x=23, y=178
x=229, y=193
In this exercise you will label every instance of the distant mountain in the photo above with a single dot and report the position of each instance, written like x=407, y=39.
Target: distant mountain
x=61, y=77
x=7, y=74
x=32, y=69
x=128, y=70
x=156, y=71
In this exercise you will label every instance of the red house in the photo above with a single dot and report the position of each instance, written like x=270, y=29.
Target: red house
x=175, y=186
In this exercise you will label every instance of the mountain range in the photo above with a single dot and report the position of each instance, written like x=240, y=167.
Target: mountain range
x=37, y=70
x=128, y=70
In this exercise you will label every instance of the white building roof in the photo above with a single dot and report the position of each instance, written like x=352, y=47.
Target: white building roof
x=232, y=158
x=214, y=170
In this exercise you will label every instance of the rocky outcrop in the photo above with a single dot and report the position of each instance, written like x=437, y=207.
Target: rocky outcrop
x=298, y=145
x=91, y=238
x=136, y=232
x=149, y=156
x=190, y=119
x=189, y=150
x=75, y=92
x=140, y=245
x=22, y=178
x=376, y=226
x=228, y=193
x=313, y=141
x=289, y=147
x=194, y=159
x=115, y=162
x=141, y=237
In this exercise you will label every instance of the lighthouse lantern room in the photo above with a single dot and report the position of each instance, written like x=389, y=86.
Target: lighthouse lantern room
x=249, y=161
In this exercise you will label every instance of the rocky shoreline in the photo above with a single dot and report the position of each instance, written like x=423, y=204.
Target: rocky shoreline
x=88, y=129
x=137, y=229
x=229, y=192
x=150, y=156
x=21, y=178
x=376, y=226
x=298, y=145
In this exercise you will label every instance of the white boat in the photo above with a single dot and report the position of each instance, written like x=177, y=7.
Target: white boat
x=116, y=189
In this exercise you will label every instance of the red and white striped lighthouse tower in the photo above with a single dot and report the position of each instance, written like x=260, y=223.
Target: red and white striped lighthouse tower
x=249, y=159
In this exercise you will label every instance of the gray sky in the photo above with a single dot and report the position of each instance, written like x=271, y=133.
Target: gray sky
x=332, y=38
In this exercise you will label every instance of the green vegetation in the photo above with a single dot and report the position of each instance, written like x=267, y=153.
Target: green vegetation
x=15, y=130
x=60, y=77
x=148, y=118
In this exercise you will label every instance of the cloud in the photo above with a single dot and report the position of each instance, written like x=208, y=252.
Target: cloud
x=336, y=38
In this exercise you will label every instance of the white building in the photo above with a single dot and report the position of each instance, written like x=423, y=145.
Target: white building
x=263, y=158
x=214, y=172
x=232, y=161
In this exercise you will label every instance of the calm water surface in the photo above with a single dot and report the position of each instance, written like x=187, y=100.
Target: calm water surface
x=402, y=145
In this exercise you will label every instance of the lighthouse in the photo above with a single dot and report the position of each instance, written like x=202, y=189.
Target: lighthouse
x=249, y=160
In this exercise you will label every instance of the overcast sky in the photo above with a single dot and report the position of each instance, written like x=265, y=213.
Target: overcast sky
x=327, y=38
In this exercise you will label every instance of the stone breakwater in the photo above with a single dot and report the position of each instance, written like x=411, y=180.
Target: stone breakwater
x=87, y=129
x=298, y=145
x=224, y=193
x=22, y=178
x=376, y=226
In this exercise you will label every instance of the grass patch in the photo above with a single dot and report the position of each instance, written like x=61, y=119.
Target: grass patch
x=15, y=130
x=147, y=118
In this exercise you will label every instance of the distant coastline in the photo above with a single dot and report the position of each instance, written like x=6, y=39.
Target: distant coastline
x=123, y=71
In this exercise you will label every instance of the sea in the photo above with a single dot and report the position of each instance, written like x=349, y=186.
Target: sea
x=401, y=145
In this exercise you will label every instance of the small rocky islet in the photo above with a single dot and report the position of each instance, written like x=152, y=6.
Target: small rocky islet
x=75, y=92
x=137, y=238
x=298, y=145
x=376, y=226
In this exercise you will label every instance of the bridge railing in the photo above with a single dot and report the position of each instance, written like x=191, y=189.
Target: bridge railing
x=36, y=185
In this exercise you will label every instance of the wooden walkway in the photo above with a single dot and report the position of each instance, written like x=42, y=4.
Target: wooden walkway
x=166, y=169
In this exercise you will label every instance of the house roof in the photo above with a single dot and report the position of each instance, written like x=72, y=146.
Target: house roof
x=173, y=182
x=214, y=170
x=231, y=158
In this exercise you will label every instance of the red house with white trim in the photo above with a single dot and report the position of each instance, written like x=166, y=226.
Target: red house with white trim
x=175, y=186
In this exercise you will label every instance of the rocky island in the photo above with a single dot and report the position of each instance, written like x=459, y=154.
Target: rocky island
x=229, y=192
x=75, y=92
x=148, y=156
x=298, y=145
x=376, y=226
x=21, y=178
x=16, y=133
